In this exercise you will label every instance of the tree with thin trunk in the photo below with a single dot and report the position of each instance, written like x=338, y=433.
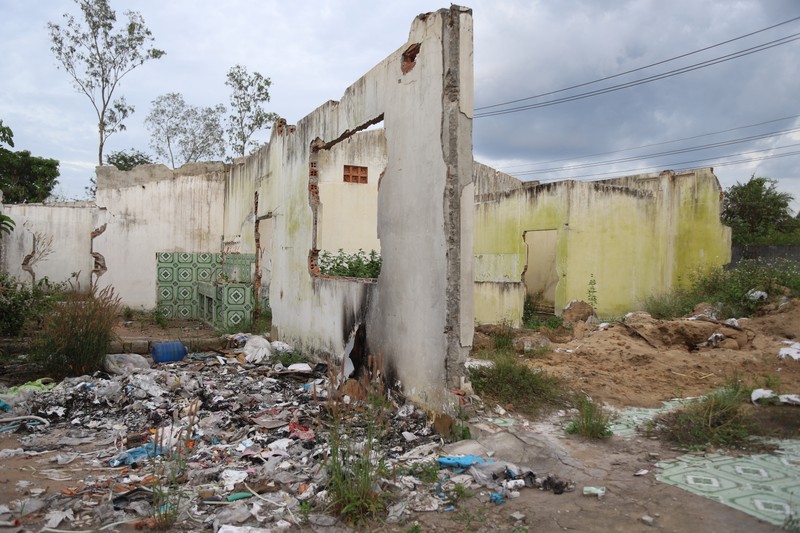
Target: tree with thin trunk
x=249, y=93
x=97, y=56
x=182, y=133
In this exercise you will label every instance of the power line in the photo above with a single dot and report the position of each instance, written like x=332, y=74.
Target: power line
x=657, y=154
x=641, y=68
x=717, y=161
x=652, y=144
x=656, y=77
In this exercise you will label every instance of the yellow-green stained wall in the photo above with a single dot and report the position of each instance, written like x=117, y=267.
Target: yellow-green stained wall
x=636, y=236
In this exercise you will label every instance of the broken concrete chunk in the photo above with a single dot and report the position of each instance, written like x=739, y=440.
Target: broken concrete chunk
x=577, y=311
x=530, y=343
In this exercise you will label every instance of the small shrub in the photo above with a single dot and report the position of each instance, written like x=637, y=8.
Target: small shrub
x=546, y=322
x=426, y=472
x=23, y=305
x=670, y=304
x=357, y=265
x=127, y=314
x=76, y=333
x=159, y=318
x=289, y=358
x=511, y=382
x=592, y=421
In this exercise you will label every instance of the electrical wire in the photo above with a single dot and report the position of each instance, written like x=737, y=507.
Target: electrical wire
x=717, y=161
x=657, y=154
x=641, y=68
x=656, y=77
x=587, y=156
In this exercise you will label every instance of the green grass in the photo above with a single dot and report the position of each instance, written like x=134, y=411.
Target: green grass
x=727, y=290
x=503, y=337
x=510, y=382
x=592, y=421
x=289, y=358
x=540, y=322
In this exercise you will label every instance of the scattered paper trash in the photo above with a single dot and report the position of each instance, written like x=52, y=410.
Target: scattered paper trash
x=594, y=491
x=792, y=350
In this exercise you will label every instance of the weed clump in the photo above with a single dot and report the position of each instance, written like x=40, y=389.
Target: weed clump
x=76, y=333
x=511, y=382
x=356, y=461
x=592, y=421
x=503, y=337
x=717, y=419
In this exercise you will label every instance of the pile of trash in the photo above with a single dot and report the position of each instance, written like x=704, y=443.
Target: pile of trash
x=230, y=441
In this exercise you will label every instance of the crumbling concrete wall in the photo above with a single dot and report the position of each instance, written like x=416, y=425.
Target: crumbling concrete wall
x=634, y=236
x=62, y=235
x=155, y=209
x=418, y=316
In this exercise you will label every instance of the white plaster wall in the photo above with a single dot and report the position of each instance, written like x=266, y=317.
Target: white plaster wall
x=152, y=210
x=68, y=227
x=348, y=214
x=239, y=214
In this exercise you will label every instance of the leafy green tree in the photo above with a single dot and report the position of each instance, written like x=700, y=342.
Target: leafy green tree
x=182, y=133
x=128, y=159
x=23, y=177
x=757, y=212
x=249, y=93
x=6, y=135
x=97, y=57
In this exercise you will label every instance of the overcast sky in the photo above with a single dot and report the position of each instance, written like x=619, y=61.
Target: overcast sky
x=313, y=50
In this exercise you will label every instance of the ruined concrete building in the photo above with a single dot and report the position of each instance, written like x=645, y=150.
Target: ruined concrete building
x=388, y=167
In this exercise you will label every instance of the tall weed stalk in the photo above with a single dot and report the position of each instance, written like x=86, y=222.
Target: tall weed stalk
x=356, y=462
x=76, y=332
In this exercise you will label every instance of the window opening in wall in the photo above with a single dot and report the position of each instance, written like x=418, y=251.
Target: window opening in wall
x=345, y=241
x=354, y=174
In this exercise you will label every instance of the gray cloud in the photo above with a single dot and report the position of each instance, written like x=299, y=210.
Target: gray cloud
x=313, y=52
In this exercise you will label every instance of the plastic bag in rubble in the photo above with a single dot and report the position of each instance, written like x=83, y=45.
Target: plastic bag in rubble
x=256, y=350
x=124, y=363
x=279, y=346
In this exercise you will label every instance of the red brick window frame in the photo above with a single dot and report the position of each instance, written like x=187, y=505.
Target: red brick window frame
x=354, y=174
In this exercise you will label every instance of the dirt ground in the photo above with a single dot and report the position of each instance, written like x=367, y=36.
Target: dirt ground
x=639, y=364
x=624, y=368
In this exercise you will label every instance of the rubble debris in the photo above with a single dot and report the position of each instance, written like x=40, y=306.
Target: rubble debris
x=766, y=394
x=792, y=350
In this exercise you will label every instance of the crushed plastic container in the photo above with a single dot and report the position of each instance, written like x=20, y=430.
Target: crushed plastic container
x=168, y=352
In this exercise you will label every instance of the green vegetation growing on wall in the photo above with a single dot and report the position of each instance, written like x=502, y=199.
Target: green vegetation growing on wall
x=357, y=265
